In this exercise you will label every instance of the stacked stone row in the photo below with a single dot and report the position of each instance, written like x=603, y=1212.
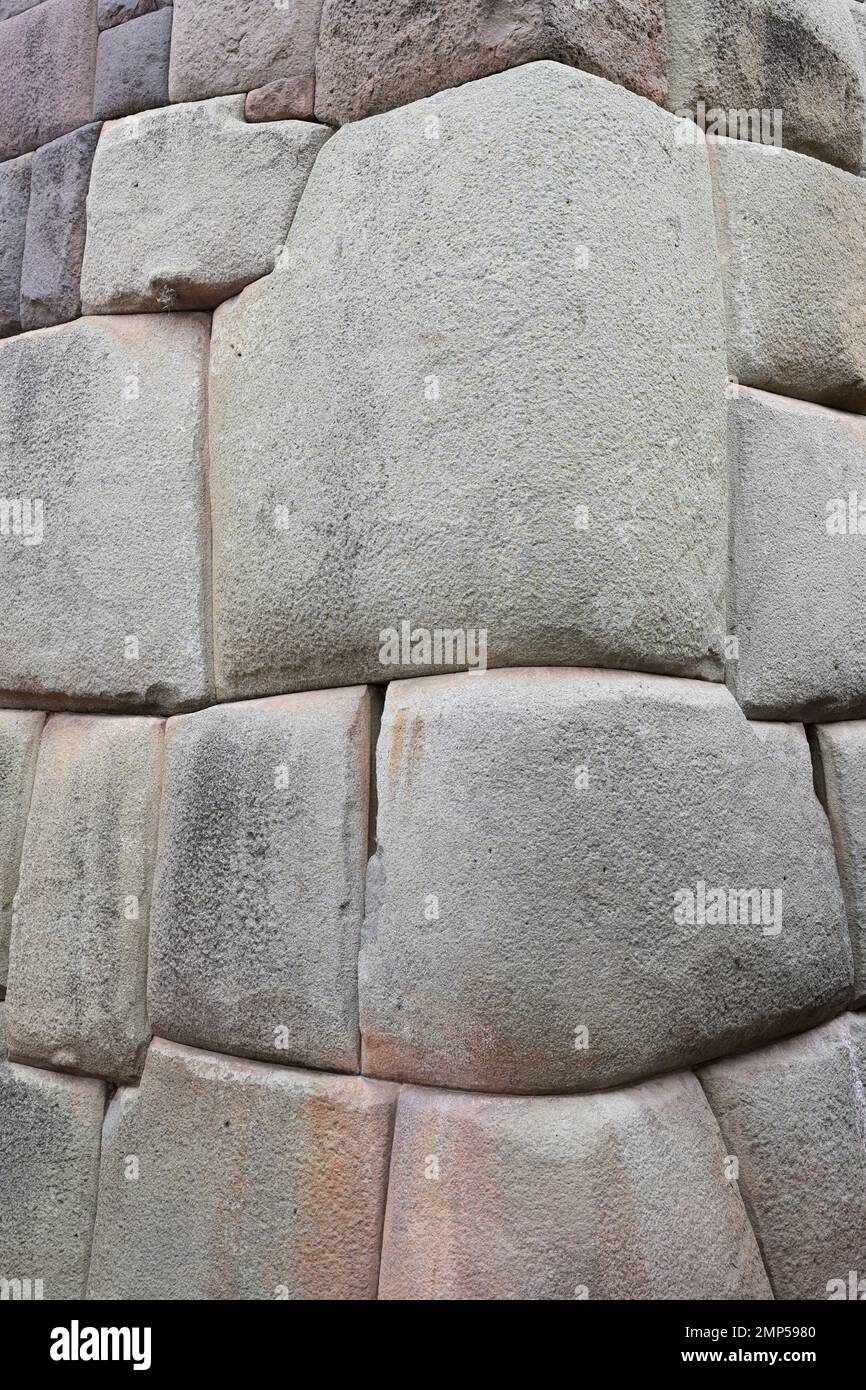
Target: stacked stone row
x=328, y=974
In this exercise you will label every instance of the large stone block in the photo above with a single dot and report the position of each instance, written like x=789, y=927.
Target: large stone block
x=56, y=229
x=14, y=200
x=49, y=1162
x=620, y=1196
x=47, y=65
x=252, y=1182
x=798, y=583
x=102, y=449
x=792, y=236
x=224, y=46
x=374, y=55
x=794, y=1117
x=842, y=750
x=77, y=971
x=795, y=65
x=111, y=12
x=132, y=66
x=19, y=742
x=8, y=8
x=549, y=467
x=259, y=893
x=550, y=904
x=189, y=204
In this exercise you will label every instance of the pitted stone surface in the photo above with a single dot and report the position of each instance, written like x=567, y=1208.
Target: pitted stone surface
x=8, y=8
x=798, y=586
x=549, y=467
x=792, y=238
x=47, y=65
x=293, y=1212
x=797, y=61
x=259, y=892
x=102, y=426
x=49, y=1161
x=225, y=46
x=111, y=12
x=56, y=228
x=14, y=200
x=842, y=749
x=374, y=55
x=527, y=925
x=287, y=99
x=19, y=743
x=794, y=1117
x=189, y=204
x=620, y=1196
x=77, y=972
x=132, y=66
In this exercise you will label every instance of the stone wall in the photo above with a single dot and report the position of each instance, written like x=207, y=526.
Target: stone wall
x=432, y=669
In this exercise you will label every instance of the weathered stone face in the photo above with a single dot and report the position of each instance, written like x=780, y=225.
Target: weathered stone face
x=374, y=55
x=47, y=66
x=296, y=1214
x=224, y=46
x=56, y=229
x=543, y=907
x=549, y=467
x=49, y=1161
x=493, y=1197
x=19, y=742
x=189, y=204
x=14, y=200
x=264, y=824
x=797, y=63
x=798, y=584
x=842, y=771
x=111, y=12
x=102, y=448
x=793, y=1115
x=792, y=241
x=132, y=66
x=79, y=931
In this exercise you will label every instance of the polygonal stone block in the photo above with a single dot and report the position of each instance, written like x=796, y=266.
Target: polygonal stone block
x=189, y=204
x=620, y=1196
x=224, y=46
x=843, y=778
x=132, y=66
x=47, y=65
x=548, y=468
x=19, y=742
x=111, y=12
x=259, y=892
x=793, y=1116
x=582, y=879
x=14, y=200
x=49, y=1163
x=287, y=99
x=250, y=1182
x=795, y=64
x=56, y=228
x=77, y=971
x=8, y=8
x=102, y=455
x=792, y=236
x=374, y=55
x=798, y=582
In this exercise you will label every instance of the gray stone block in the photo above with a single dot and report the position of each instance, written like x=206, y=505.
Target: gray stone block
x=796, y=63
x=8, y=8
x=225, y=46
x=798, y=581
x=112, y=12
x=19, y=743
x=620, y=1196
x=842, y=750
x=374, y=55
x=549, y=467
x=792, y=236
x=189, y=204
x=102, y=450
x=56, y=229
x=132, y=66
x=793, y=1115
x=251, y=1182
x=549, y=907
x=47, y=65
x=259, y=892
x=77, y=970
x=14, y=200
x=49, y=1161
x=287, y=99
